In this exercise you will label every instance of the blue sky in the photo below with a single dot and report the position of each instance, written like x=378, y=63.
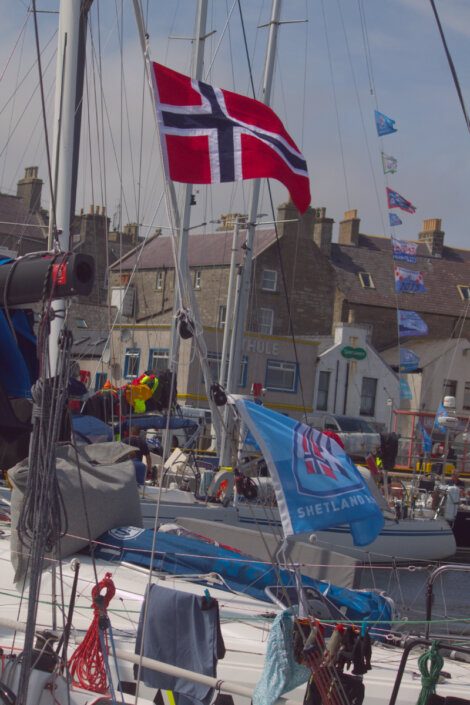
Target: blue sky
x=327, y=107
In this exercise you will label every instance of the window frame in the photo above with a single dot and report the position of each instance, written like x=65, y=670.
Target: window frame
x=131, y=353
x=263, y=283
x=362, y=281
x=466, y=390
x=159, y=280
x=363, y=411
x=164, y=352
x=261, y=323
x=198, y=279
x=222, y=319
x=100, y=379
x=461, y=288
x=451, y=384
x=325, y=391
x=294, y=368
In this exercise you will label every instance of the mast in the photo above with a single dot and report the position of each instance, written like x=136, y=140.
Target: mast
x=239, y=329
x=67, y=111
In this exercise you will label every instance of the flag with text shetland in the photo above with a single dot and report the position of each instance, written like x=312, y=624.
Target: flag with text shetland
x=211, y=135
x=394, y=219
x=407, y=281
x=317, y=485
x=385, y=125
x=410, y=323
x=394, y=200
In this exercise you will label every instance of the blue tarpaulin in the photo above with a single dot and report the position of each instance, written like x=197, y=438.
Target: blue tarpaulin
x=182, y=555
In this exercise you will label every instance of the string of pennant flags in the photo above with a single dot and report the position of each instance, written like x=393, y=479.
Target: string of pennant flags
x=410, y=323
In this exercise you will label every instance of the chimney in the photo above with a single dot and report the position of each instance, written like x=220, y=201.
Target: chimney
x=290, y=223
x=29, y=189
x=432, y=236
x=349, y=229
x=322, y=230
x=227, y=221
x=131, y=231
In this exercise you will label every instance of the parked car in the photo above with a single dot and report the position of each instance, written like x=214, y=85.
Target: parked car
x=357, y=435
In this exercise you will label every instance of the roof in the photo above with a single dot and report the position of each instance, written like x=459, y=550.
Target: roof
x=204, y=250
x=373, y=254
x=27, y=230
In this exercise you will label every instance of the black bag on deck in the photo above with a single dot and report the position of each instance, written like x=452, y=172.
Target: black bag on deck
x=165, y=394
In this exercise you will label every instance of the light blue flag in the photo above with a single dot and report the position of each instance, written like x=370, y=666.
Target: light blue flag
x=441, y=411
x=410, y=323
x=394, y=219
x=425, y=437
x=405, y=391
x=403, y=249
x=384, y=124
x=408, y=281
x=316, y=483
x=409, y=361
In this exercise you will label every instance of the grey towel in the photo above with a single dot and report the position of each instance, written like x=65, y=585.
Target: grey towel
x=182, y=630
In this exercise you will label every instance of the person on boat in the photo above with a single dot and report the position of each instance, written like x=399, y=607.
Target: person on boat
x=457, y=482
x=142, y=470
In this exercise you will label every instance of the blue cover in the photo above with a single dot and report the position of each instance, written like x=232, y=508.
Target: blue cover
x=92, y=429
x=182, y=555
x=156, y=421
x=18, y=363
x=316, y=483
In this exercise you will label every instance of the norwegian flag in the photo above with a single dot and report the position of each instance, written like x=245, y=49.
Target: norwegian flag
x=216, y=136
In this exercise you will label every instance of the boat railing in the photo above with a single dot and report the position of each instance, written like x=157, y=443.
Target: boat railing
x=450, y=567
x=412, y=644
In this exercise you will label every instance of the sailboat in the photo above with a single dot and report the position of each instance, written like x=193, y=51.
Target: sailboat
x=34, y=677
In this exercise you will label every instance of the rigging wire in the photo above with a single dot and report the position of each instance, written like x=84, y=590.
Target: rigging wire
x=451, y=65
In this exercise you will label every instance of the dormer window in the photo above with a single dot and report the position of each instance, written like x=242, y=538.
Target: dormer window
x=464, y=291
x=269, y=280
x=366, y=280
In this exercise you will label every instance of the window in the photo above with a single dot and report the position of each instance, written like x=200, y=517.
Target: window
x=265, y=321
x=449, y=388
x=197, y=279
x=281, y=376
x=466, y=396
x=159, y=359
x=100, y=379
x=81, y=323
x=366, y=280
x=243, y=372
x=269, y=280
x=214, y=365
x=131, y=363
x=368, y=394
x=222, y=316
x=464, y=292
x=160, y=278
x=322, y=394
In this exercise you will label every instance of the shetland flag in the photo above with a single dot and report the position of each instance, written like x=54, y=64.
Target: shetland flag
x=216, y=136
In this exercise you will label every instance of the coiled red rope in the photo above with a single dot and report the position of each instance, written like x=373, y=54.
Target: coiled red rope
x=87, y=665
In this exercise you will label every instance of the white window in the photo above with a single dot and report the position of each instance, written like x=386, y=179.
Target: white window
x=159, y=359
x=366, y=280
x=281, y=376
x=368, y=395
x=131, y=363
x=464, y=292
x=269, y=280
x=265, y=321
x=159, y=283
x=323, y=389
x=222, y=316
x=197, y=279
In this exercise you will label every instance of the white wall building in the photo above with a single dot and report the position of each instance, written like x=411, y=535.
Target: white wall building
x=353, y=379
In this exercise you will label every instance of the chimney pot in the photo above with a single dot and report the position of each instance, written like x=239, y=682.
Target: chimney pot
x=432, y=236
x=349, y=229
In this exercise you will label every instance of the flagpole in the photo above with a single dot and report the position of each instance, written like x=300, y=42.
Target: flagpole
x=239, y=328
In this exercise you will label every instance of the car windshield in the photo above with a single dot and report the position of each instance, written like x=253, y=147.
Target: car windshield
x=351, y=425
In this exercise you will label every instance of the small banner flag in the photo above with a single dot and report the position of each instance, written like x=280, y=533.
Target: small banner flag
x=441, y=411
x=407, y=281
x=394, y=219
x=394, y=200
x=316, y=483
x=409, y=360
x=404, y=250
x=405, y=391
x=390, y=164
x=425, y=437
x=410, y=323
x=384, y=124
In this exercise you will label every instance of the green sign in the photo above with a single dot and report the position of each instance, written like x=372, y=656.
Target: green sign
x=353, y=353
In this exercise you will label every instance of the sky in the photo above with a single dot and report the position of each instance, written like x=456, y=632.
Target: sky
x=330, y=76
